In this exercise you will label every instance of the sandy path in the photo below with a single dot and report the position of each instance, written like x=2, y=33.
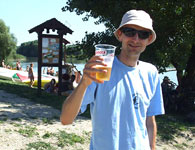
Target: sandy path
x=18, y=114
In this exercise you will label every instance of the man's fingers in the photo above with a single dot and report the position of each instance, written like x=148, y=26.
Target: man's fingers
x=94, y=70
x=94, y=78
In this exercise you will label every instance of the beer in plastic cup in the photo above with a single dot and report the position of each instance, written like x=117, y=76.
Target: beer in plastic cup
x=107, y=53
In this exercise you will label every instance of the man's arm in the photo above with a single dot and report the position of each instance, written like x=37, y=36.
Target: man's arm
x=73, y=102
x=152, y=131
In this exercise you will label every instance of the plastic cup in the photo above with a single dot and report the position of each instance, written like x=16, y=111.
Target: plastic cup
x=107, y=53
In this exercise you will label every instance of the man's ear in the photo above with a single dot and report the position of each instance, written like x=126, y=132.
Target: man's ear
x=150, y=39
x=119, y=35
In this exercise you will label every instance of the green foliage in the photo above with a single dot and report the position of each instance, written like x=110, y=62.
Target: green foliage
x=47, y=121
x=14, y=56
x=7, y=41
x=173, y=23
x=48, y=135
x=28, y=131
x=40, y=146
x=66, y=138
x=25, y=91
x=170, y=127
x=28, y=49
x=71, y=50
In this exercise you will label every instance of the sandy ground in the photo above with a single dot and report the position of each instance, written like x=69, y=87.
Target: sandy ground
x=18, y=113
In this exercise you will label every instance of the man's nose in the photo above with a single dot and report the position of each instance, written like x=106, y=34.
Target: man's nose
x=135, y=37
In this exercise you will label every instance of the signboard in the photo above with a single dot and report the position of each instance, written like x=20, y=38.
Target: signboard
x=50, y=50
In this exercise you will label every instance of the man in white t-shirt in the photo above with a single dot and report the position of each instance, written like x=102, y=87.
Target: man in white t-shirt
x=123, y=109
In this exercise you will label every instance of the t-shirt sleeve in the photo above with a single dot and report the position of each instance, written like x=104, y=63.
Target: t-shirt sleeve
x=156, y=103
x=88, y=97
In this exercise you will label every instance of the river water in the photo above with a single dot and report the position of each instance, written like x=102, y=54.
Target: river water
x=80, y=66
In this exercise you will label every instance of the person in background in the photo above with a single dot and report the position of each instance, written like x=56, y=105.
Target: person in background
x=3, y=64
x=43, y=70
x=52, y=71
x=8, y=67
x=48, y=71
x=31, y=75
x=51, y=86
x=73, y=81
x=123, y=109
x=27, y=68
x=78, y=76
x=169, y=94
x=67, y=85
x=18, y=65
x=56, y=73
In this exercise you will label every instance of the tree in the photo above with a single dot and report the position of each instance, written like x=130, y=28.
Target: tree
x=173, y=23
x=7, y=41
x=28, y=49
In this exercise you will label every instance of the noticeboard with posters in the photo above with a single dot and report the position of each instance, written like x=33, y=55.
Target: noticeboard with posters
x=50, y=50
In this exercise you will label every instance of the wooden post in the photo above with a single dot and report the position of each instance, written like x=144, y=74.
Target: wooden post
x=60, y=64
x=39, y=61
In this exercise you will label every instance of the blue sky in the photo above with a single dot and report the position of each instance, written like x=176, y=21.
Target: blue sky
x=22, y=15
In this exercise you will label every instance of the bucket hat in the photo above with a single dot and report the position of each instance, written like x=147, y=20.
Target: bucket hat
x=139, y=18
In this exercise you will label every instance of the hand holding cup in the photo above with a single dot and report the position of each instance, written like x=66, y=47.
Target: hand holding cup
x=106, y=52
x=90, y=70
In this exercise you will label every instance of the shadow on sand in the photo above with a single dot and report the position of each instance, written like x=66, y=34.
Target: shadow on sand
x=13, y=107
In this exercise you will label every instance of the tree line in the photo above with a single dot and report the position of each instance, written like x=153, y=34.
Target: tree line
x=28, y=49
x=7, y=41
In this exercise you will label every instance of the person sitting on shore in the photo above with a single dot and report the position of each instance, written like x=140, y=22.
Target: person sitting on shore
x=8, y=67
x=51, y=86
x=169, y=93
x=52, y=71
x=67, y=85
x=167, y=86
x=73, y=81
x=78, y=76
x=56, y=73
x=48, y=71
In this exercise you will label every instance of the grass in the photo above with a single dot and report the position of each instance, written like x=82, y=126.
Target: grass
x=47, y=121
x=48, y=135
x=28, y=131
x=25, y=91
x=40, y=146
x=66, y=138
x=63, y=139
x=171, y=126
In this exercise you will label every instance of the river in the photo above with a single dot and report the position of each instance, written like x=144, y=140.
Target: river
x=80, y=66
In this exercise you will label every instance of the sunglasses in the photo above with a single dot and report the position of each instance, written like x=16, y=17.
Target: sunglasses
x=130, y=32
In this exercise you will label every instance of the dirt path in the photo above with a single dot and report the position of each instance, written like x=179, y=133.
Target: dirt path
x=25, y=125
x=23, y=122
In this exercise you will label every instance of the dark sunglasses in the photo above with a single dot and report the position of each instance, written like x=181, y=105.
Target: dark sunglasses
x=130, y=32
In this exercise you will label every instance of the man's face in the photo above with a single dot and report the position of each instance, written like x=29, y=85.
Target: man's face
x=134, y=45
